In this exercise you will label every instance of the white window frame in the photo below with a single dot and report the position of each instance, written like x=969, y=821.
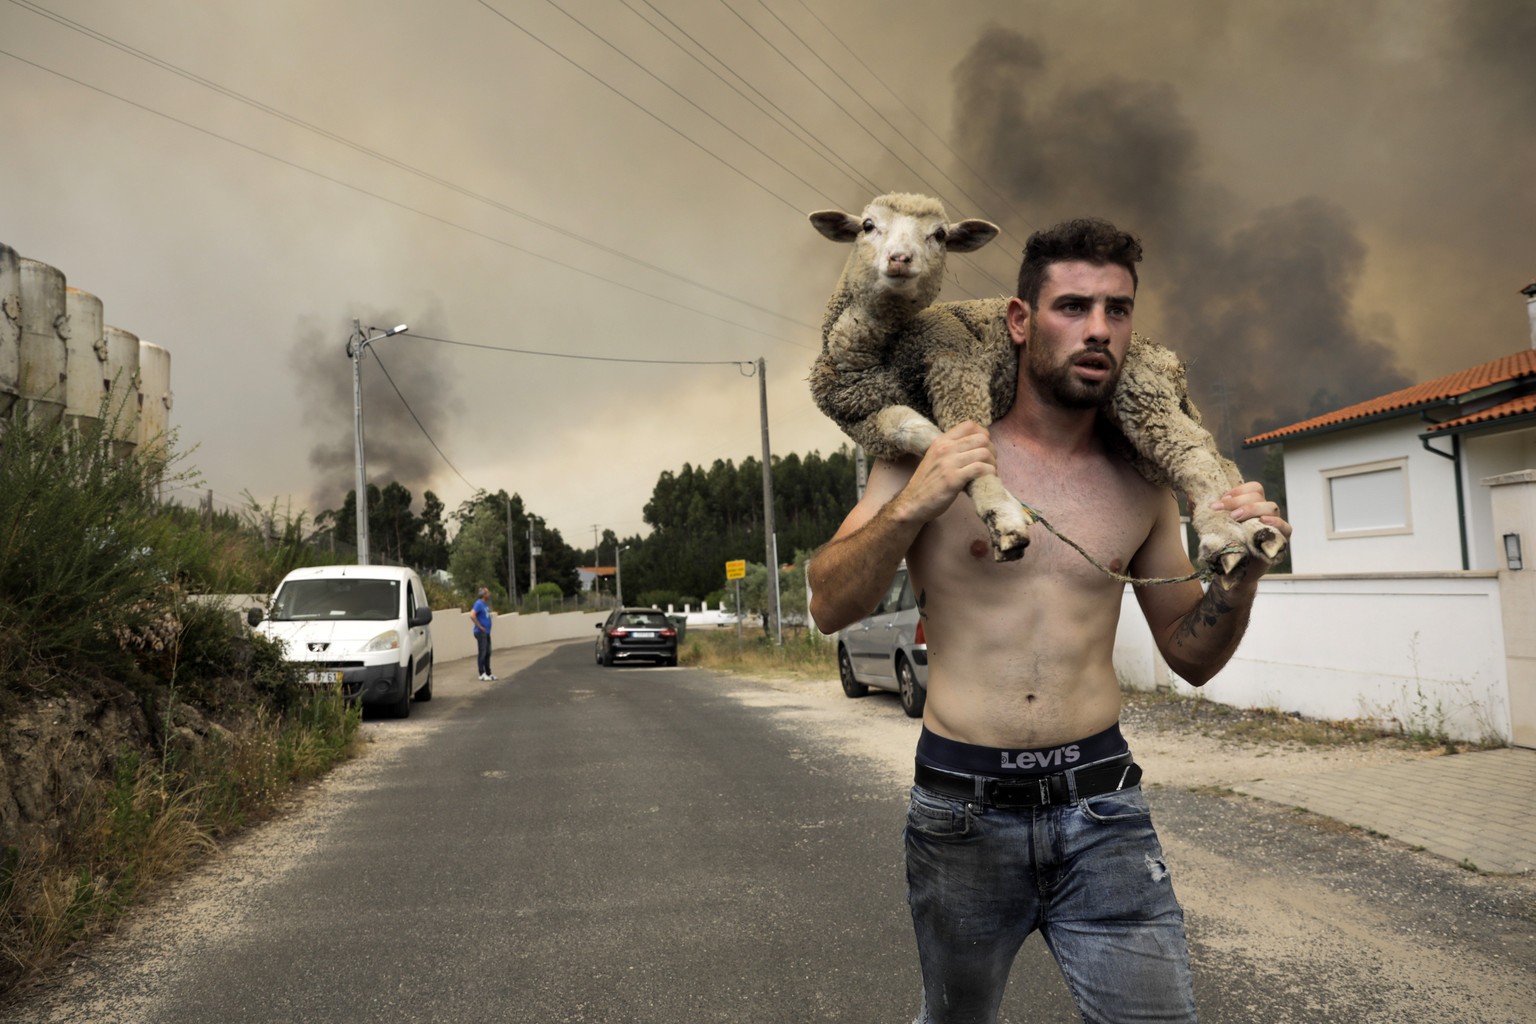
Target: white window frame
x=1329, y=475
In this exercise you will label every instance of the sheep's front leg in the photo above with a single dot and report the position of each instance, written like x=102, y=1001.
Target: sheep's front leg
x=1007, y=519
x=1152, y=409
x=1226, y=543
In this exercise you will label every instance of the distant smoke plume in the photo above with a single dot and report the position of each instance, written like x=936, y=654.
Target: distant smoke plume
x=395, y=448
x=1259, y=303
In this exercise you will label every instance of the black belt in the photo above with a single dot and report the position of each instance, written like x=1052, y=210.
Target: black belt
x=1034, y=790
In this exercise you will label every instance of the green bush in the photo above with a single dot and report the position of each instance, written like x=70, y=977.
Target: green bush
x=87, y=564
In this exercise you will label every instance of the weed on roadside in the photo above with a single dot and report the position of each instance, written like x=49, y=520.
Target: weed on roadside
x=1163, y=710
x=803, y=655
x=152, y=819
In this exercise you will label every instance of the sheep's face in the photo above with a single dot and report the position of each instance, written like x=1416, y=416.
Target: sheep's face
x=900, y=243
x=901, y=250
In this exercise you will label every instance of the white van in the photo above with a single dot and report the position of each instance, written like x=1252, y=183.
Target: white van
x=363, y=626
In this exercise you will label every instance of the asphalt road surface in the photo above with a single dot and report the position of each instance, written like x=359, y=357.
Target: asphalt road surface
x=638, y=844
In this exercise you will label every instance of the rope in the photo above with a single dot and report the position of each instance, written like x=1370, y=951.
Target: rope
x=1204, y=575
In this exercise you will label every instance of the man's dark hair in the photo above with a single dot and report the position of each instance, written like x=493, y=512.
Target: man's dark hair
x=1088, y=239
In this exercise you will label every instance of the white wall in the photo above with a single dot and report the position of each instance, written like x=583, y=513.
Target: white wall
x=1420, y=651
x=1435, y=541
x=453, y=636
x=1485, y=456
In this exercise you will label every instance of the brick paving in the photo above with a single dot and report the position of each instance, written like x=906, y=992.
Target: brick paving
x=1471, y=808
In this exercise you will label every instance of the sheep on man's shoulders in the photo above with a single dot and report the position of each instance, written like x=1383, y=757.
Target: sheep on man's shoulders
x=896, y=370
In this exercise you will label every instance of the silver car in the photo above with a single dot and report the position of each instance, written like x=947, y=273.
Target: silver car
x=887, y=650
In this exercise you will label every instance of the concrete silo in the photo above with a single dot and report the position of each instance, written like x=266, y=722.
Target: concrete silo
x=154, y=400
x=87, y=352
x=44, y=330
x=10, y=328
x=120, y=379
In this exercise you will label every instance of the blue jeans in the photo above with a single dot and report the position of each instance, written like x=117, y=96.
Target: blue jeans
x=483, y=657
x=1090, y=876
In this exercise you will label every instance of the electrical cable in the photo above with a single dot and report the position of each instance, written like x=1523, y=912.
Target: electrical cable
x=427, y=434
x=403, y=206
x=342, y=140
x=875, y=110
x=849, y=114
x=676, y=92
x=806, y=137
x=919, y=119
x=638, y=106
x=595, y=359
x=395, y=162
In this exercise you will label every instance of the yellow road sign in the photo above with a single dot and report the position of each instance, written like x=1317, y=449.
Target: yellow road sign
x=736, y=570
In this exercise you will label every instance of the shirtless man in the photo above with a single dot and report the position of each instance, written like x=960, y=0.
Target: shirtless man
x=1027, y=811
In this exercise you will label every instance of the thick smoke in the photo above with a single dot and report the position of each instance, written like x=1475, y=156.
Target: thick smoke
x=394, y=446
x=1259, y=303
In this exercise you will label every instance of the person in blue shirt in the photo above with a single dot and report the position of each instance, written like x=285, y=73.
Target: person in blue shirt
x=481, y=614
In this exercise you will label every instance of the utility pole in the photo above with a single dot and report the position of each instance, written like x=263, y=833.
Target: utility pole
x=597, y=557
x=533, y=552
x=769, y=541
x=511, y=563
x=357, y=344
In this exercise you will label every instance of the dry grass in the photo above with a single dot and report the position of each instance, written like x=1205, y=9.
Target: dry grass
x=803, y=656
x=151, y=821
x=1162, y=710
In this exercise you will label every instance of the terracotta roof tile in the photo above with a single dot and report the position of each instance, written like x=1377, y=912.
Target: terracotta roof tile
x=1522, y=406
x=1420, y=396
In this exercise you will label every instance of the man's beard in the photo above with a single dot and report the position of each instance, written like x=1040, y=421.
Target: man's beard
x=1058, y=383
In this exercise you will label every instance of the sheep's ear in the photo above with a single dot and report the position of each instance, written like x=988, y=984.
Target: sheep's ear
x=969, y=235
x=837, y=225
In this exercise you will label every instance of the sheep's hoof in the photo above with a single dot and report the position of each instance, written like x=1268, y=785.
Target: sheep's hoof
x=1010, y=538
x=1009, y=548
x=1230, y=562
x=1268, y=543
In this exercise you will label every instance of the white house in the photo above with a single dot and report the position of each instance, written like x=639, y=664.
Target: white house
x=1412, y=598
x=1394, y=483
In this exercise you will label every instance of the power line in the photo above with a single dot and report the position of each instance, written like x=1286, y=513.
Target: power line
x=388, y=159
x=423, y=427
x=919, y=119
x=637, y=105
x=875, y=110
x=403, y=206
x=739, y=363
x=826, y=152
x=676, y=92
x=846, y=112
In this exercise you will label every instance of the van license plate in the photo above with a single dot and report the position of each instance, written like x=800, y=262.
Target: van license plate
x=325, y=678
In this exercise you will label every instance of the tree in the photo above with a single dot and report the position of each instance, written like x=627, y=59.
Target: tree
x=701, y=519
x=430, y=550
x=478, y=551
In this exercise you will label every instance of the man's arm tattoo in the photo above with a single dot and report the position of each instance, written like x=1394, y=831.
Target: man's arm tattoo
x=1207, y=613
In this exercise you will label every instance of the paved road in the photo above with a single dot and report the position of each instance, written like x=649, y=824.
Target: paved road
x=636, y=844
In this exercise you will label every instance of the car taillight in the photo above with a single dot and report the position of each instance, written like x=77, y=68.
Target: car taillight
x=669, y=633
x=920, y=638
x=618, y=632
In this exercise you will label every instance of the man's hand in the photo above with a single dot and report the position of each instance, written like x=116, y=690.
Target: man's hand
x=1246, y=501
x=956, y=457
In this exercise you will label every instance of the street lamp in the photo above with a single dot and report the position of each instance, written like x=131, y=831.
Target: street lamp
x=356, y=344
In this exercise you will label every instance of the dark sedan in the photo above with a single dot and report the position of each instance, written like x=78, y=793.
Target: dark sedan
x=631, y=633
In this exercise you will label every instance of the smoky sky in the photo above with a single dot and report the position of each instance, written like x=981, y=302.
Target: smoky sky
x=1259, y=302
x=396, y=449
